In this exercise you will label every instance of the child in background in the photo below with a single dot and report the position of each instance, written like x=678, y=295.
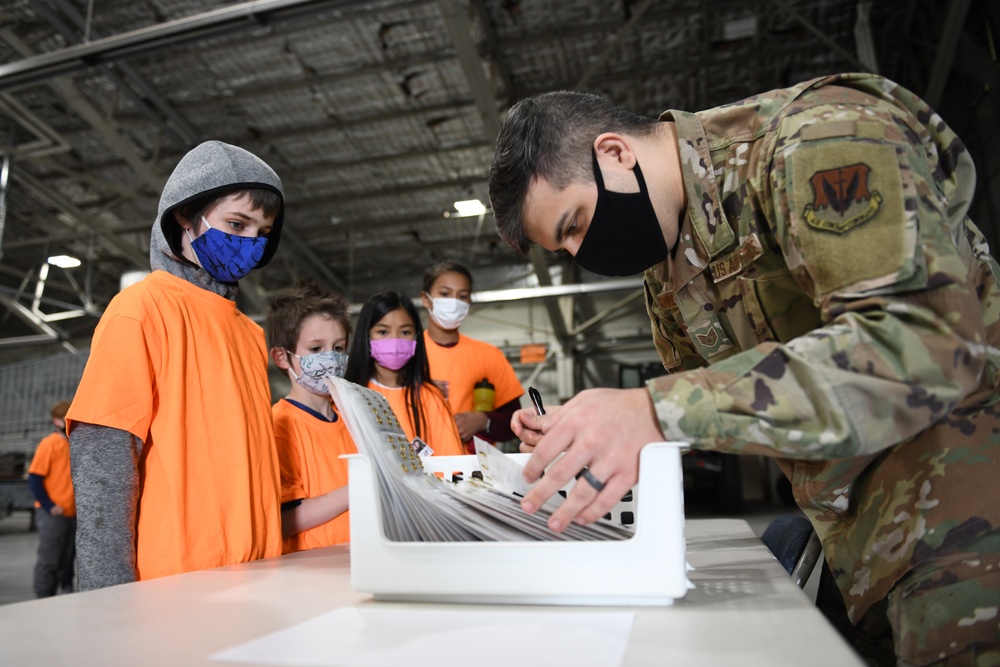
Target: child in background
x=55, y=509
x=170, y=431
x=463, y=362
x=388, y=355
x=307, y=329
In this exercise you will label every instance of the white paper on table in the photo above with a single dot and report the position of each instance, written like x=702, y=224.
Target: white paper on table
x=419, y=637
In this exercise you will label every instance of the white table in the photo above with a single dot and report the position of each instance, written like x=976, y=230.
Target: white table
x=744, y=611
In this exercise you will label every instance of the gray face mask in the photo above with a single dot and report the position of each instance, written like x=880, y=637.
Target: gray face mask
x=317, y=366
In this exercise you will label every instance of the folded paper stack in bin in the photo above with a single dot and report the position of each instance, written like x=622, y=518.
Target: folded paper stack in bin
x=415, y=536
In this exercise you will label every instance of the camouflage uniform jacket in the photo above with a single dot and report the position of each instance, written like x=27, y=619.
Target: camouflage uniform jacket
x=827, y=271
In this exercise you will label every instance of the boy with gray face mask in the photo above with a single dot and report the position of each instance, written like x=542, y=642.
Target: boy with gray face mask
x=307, y=329
x=172, y=417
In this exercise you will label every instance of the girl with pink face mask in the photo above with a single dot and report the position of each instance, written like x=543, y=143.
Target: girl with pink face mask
x=388, y=356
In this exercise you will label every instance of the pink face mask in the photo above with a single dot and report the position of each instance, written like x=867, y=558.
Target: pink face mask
x=393, y=353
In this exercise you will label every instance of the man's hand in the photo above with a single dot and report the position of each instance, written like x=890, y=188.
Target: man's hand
x=527, y=425
x=600, y=429
x=470, y=423
x=56, y=511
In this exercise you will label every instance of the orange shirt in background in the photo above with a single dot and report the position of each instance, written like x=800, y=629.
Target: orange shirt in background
x=441, y=431
x=186, y=372
x=465, y=364
x=51, y=461
x=308, y=451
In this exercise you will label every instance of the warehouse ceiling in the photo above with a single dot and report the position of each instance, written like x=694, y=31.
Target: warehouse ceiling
x=378, y=116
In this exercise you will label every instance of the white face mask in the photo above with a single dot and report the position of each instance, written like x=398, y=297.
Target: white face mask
x=448, y=313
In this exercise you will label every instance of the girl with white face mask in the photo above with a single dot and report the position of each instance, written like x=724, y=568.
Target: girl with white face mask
x=463, y=362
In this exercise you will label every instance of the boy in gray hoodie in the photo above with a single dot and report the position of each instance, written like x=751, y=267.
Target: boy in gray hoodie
x=171, y=442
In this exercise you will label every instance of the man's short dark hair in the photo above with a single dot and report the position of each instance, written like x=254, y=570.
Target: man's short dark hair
x=549, y=136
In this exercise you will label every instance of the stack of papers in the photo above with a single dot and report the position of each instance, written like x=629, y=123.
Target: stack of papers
x=417, y=507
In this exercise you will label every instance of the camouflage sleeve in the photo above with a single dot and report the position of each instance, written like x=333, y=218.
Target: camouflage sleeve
x=872, y=225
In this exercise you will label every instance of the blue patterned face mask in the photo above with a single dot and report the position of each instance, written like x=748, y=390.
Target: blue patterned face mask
x=227, y=257
x=315, y=367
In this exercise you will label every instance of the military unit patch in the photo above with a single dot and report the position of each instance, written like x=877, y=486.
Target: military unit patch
x=841, y=199
x=847, y=198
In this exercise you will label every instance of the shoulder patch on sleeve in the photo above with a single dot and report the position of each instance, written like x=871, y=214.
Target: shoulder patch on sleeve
x=842, y=199
x=849, y=220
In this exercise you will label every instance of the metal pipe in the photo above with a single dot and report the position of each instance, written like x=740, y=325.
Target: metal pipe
x=522, y=293
x=161, y=36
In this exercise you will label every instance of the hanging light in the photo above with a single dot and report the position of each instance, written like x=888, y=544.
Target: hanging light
x=469, y=207
x=64, y=261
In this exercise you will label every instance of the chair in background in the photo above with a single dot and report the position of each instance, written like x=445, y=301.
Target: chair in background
x=795, y=544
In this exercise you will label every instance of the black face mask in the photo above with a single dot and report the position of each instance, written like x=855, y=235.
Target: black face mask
x=624, y=237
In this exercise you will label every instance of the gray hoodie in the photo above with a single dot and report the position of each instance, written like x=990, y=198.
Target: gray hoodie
x=104, y=460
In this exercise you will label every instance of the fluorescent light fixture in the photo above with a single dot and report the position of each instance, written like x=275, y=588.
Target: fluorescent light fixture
x=470, y=207
x=64, y=261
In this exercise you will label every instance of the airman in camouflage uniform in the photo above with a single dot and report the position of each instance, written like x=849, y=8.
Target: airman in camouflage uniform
x=825, y=301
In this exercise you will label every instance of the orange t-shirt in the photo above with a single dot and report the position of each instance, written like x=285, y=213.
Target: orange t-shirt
x=51, y=461
x=308, y=451
x=441, y=431
x=465, y=364
x=184, y=371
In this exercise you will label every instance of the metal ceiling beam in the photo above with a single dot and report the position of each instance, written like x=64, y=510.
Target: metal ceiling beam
x=823, y=37
x=460, y=182
x=368, y=160
x=492, y=45
x=864, y=43
x=109, y=133
x=109, y=237
x=47, y=333
x=541, y=264
x=613, y=43
x=177, y=129
x=118, y=191
x=270, y=90
x=67, y=90
x=607, y=312
x=950, y=34
x=676, y=67
x=314, y=264
x=72, y=236
x=44, y=139
x=459, y=28
x=456, y=107
x=151, y=39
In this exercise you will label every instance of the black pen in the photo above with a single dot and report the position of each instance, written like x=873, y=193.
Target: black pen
x=536, y=398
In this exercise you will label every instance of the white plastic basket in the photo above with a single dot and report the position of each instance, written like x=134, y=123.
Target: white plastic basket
x=648, y=569
x=447, y=466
